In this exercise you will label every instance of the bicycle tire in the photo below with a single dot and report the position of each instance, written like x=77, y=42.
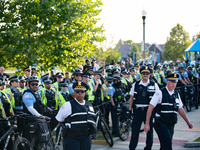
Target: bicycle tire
x=106, y=133
x=122, y=128
x=195, y=101
x=22, y=144
x=42, y=146
x=187, y=104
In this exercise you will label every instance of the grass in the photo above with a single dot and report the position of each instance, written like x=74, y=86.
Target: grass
x=197, y=140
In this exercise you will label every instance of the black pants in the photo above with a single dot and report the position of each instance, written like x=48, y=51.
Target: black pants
x=165, y=134
x=77, y=143
x=139, y=117
x=107, y=111
x=114, y=119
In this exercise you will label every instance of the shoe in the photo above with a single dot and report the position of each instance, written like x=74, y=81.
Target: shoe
x=59, y=143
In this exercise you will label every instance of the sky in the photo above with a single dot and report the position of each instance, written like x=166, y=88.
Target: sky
x=122, y=19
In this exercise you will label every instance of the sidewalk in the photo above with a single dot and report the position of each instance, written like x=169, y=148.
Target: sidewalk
x=181, y=135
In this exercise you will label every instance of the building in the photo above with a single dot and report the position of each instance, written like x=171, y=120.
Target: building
x=125, y=50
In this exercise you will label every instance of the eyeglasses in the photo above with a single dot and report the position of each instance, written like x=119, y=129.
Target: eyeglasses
x=60, y=77
x=32, y=84
x=78, y=75
x=79, y=92
x=145, y=73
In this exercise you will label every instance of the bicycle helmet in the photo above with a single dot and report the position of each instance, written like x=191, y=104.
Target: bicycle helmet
x=77, y=71
x=33, y=78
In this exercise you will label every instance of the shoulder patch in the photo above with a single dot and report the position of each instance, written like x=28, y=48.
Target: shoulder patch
x=157, y=93
x=26, y=96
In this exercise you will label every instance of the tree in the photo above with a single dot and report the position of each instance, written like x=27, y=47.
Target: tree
x=176, y=44
x=111, y=54
x=48, y=32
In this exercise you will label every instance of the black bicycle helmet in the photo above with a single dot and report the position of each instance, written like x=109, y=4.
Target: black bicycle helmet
x=33, y=78
x=77, y=71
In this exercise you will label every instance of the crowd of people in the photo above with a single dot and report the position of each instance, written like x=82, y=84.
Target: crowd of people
x=144, y=86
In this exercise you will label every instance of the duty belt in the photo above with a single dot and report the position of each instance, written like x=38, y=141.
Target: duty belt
x=142, y=108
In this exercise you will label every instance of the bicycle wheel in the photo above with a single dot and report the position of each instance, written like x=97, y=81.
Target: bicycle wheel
x=187, y=103
x=22, y=144
x=123, y=128
x=42, y=146
x=106, y=132
x=195, y=101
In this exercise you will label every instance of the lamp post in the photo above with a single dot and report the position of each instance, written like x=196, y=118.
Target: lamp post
x=144, y=17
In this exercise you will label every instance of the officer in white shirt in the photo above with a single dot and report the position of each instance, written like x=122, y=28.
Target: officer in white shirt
x=141, y=94
x=168, y=103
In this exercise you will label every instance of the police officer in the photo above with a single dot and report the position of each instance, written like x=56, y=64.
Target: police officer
x=3, y=84
x=96, y=84
x=32, y=101
x=77, y=76
x=22, y=84
x=15, y=95
x=190, y=76
x=116, y=95
x=27, y=72
x=79, y=118
x=44, y=77
x=67, y=78
x=63, y=95
x=85, y=77
x=168, y=103
x=33, y=70
x=132, y=77
x=6, y=103
x=106, y=85
x=142, y=92
x=59, y=78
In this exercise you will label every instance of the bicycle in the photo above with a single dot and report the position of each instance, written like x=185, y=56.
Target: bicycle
x=191, y=98
x=20, y=143
x=123, y=120
x=102, y=125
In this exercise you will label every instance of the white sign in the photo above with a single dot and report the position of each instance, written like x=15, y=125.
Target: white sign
x=142, y=46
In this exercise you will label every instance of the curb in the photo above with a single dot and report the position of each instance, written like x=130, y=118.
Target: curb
x=192, y=144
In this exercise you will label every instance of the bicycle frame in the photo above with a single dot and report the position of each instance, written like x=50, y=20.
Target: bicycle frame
x=59, y=133
x=8, y=135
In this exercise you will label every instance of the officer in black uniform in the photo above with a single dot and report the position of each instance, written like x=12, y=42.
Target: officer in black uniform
x=79, y=118
x=67, y=78
x=115, y=92
x=168, y=103
x=142, y=92
x=32, y=103
x=85, y=78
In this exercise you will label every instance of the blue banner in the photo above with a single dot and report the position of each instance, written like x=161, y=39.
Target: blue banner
x=158, y=58
x=134, y=58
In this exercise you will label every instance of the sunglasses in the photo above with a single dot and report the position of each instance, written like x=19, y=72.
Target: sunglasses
x=32, y=84
x=78, y=75
x=79, y=92
x=145, y=73
x=22, y=81
x=60, y=77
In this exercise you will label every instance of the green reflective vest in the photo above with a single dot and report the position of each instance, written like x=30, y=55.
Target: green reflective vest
x=1, y=109
x=106, y=88
x=158, y=77
x=7, y=99
x=56, y=86
x=60, y=100
x=90, y=92
x=8, y=91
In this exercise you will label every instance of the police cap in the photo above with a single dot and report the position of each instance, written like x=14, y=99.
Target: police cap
x=86, y=75
x=64, y=84
x=172, y=77
x=98, y=72
x=108, y=68
x=109, y=78
x=45, y=76
x=21, y=79
x=144, y=69
x=115, y=71
x=80, y=86
x=14, y=78
x=47, y=80
x=116, y=78
x=132, y=69
x=189, y=68
x=3, y=81
x=27, y=68
x=59, y=74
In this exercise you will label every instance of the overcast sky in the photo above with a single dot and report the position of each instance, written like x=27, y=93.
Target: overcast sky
x=122, y=19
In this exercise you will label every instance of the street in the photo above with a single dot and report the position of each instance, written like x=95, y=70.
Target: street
x=181, y=135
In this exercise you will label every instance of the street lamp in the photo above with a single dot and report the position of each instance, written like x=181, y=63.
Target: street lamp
x=144, y=17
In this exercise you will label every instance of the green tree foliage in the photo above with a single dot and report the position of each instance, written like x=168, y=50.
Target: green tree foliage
x=111, y=54
x=48, y=32
x=176, y=44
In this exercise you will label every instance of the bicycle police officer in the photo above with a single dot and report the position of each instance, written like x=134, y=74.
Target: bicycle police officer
x=79, y=118
x=168, y=103
x=142, y=92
